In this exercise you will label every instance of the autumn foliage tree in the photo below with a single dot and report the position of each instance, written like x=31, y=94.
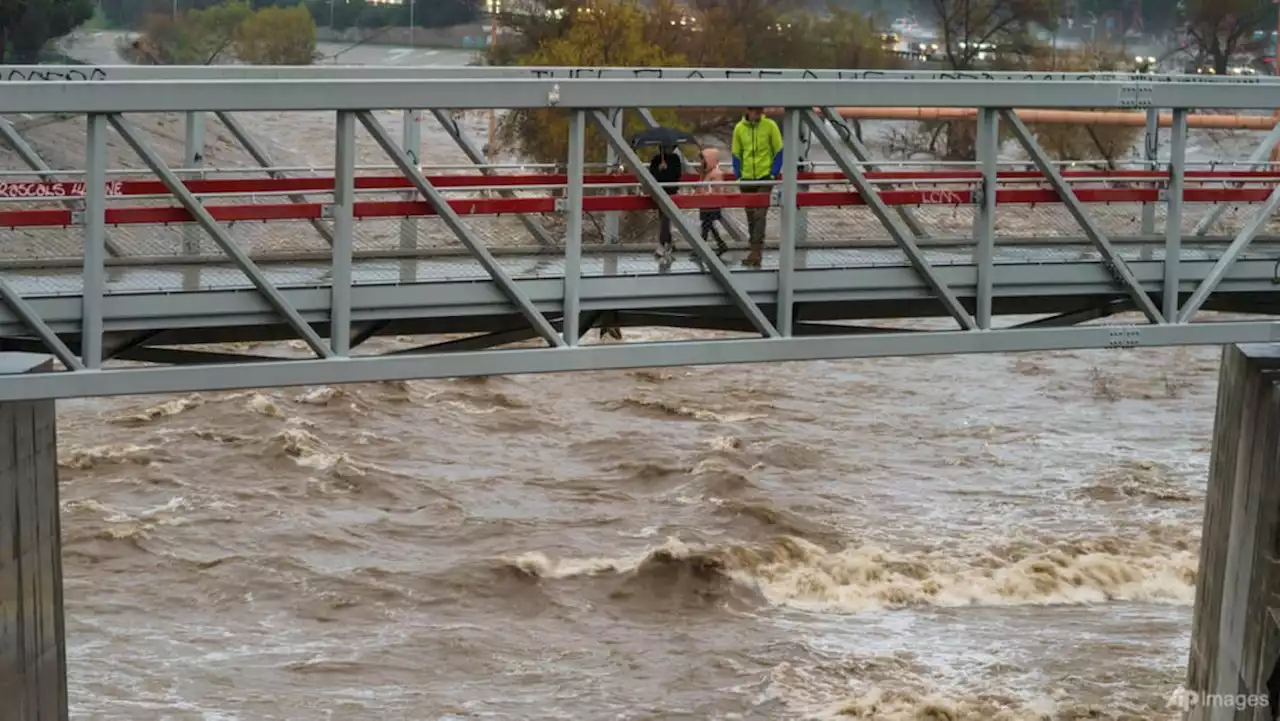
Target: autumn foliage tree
x=228, y=32
x=979, y=34
x=609, y=32
x=662, y=33
x=277, y=36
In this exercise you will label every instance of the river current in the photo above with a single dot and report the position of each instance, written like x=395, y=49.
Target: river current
x=980, y=537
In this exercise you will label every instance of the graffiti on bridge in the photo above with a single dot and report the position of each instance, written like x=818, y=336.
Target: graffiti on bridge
x=36, y=73
x=34, y=189
x=811, y=74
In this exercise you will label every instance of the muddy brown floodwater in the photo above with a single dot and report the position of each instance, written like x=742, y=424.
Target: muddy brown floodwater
x=981, y=537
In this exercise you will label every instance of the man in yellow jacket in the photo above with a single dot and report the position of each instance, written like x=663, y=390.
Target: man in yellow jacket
x=757, y=158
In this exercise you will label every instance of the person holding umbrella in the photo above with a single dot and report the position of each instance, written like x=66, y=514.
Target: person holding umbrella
x=757, y=159
x=667, y=167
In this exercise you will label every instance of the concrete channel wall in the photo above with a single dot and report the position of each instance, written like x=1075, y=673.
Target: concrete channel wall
x=1235, y=642
x=33, y=677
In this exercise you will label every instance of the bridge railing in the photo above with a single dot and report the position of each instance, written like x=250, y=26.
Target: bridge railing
x=344, y=221
x=263, y=216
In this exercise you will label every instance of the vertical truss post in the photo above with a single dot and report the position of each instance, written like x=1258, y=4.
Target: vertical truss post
x=14, y=139
x=841, y=154
x=785, y=318
x=344, y=192
x=450, y=217
x=193, y=206
x=1230, y=256
x=411, y=140
x=261, y=157
x=802, y=165
x=1259, y=154
x=192, y=157
x=1151, y=153
x=95, y=240
x=193, y=141
x=618, y=120
x=679, y=222
x=573, y=227
x=477, y=156
x=863, y=154
x=984, y=220
x=1117, y=266
x=1173, y=215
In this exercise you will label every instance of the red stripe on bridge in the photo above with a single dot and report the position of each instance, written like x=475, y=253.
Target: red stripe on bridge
x=263, y=212
x=38, y=190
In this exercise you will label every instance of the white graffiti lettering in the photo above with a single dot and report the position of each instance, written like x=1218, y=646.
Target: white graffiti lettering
x=54, y=190
x=941, y=196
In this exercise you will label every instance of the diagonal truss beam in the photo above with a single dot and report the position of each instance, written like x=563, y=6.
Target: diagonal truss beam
x=451, y=219
x=485, y=341
x=668, y=208
x=843, y=158
x=1230, y=256
x=365, y=331
x=32, y=319
x=260, y=156
x=863, y=154
x=33, y=160
x=1119, y=269
x=113, y=344
x=183, y=356
x=1259, y=154
x=219, y=236
x=1076, y=317
x=663, y=319
x=477, y=156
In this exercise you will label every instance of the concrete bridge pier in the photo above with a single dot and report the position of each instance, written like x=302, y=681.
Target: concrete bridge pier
x=33, y=659
x=1235, y=641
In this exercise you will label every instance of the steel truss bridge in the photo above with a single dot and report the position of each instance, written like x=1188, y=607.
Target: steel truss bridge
x=99, y=265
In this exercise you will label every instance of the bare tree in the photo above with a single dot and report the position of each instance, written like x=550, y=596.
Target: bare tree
x=1218, y=29
x=969, y=28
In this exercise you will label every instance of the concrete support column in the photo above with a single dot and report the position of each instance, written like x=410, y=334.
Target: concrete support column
x=1234, y=641
x=33, y=661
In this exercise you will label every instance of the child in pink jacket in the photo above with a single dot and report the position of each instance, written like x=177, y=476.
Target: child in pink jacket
x=711, y=173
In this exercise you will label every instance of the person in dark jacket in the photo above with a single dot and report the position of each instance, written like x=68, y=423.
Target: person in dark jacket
x=667, y=167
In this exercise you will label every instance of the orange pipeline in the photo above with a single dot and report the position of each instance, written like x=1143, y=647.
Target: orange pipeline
x=1066, y=117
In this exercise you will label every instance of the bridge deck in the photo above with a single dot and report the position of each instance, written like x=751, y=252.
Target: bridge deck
x=123, y=279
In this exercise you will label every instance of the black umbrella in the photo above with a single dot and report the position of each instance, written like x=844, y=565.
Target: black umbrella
x=662, y=137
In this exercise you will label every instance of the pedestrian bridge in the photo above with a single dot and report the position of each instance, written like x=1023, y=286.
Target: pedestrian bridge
x=100, y=264
x=137, y=281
